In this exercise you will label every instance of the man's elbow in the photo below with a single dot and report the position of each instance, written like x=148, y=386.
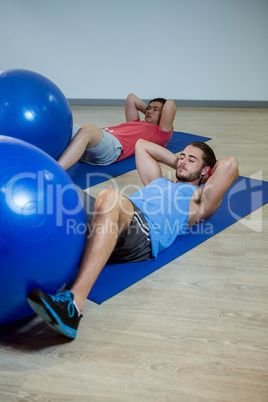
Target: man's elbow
x=234, y=163
x=170, y=104
x=130, y=96
x=233, y=166
x=169, y=111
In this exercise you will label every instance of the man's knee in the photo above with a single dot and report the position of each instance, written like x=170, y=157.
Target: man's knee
x=88, y=127
x=92, y=134
x=107, y=201
x=87, y=130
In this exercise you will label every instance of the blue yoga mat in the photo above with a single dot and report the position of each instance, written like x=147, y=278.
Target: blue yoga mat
x=245, y=196
x=86, y=176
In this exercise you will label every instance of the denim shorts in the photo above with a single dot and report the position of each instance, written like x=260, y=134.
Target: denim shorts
x=105, y=153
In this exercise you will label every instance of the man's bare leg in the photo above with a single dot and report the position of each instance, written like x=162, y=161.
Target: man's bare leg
x=113, y=213
x=89, y=136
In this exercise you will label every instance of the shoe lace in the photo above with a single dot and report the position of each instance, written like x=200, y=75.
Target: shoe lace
x=65, y=297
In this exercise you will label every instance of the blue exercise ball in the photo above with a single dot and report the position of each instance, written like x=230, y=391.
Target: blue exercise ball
x=42, y=226
x=33, y=109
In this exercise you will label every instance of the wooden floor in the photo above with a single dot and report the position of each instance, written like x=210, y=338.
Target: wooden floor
x=195, y=330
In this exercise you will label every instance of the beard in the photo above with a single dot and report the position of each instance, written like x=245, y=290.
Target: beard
x=190, y=177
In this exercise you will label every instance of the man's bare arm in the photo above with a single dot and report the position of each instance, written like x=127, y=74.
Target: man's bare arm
x=224, y=174
x=168, y=115
x=148, y=156
x=133, y=106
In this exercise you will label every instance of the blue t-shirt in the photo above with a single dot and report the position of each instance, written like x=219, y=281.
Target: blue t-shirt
x=165, y=206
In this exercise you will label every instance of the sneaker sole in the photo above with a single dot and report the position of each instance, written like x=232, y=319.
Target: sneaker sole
x=51, y=318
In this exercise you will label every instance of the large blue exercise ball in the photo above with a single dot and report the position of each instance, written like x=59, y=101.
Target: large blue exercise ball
x=34, y=109
x=42, y=226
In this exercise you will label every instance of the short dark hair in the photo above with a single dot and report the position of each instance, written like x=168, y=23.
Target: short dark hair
x=209, y=157
x=161, y=100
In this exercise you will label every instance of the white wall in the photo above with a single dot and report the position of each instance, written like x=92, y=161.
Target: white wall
x=183, y=49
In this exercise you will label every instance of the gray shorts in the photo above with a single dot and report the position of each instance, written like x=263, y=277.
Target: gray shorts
x=134, y=244
x=75, y=129
x=105, y=153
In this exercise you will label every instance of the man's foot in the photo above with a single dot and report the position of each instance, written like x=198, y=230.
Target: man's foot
x=59, y=311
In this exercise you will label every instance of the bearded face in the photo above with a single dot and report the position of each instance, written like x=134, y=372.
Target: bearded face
x=190, y=165
x=182, y=174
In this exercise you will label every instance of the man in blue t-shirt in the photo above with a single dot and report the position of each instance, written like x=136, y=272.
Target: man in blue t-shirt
x=140, y=226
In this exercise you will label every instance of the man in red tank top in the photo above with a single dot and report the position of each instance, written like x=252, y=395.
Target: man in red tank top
x=103, y=146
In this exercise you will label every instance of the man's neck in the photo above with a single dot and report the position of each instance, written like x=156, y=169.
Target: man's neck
x=193, y=183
